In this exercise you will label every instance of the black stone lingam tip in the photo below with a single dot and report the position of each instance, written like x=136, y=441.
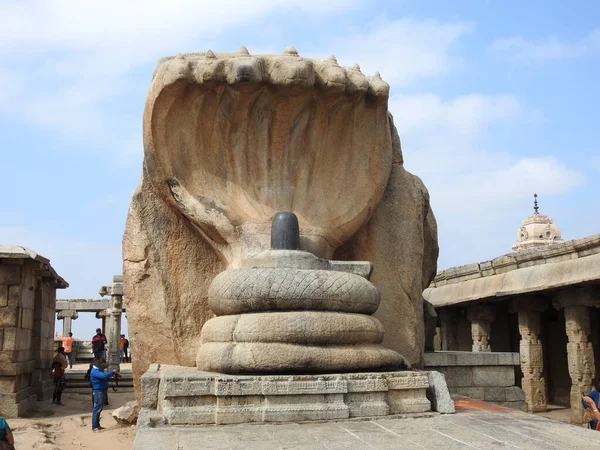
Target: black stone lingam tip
x=285, y=232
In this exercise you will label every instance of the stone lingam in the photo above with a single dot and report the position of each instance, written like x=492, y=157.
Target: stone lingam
x=230, y=141
x=298, y=334
x=287, y=311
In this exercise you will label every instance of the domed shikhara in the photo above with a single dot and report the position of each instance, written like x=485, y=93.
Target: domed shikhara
x=233, y=138
x=537, y=230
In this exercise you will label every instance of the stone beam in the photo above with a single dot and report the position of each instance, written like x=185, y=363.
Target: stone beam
x=82, y=305
x=518, y=282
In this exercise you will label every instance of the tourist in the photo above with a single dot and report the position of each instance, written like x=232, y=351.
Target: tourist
x=126, y=348
x=595, y=397
x=123, y=344
x=589, y=402
x=68, y=345
x=59, y=364
x=99, y=343
x=99, y=381
x=7, y=440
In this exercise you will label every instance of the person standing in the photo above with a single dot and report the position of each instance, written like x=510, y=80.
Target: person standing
x=7, y=440
x=126, y=349
x=594, y=395
x=99, y=381
x=99, y=344
x=122, y=352
x=59, y=364
x=68, y=345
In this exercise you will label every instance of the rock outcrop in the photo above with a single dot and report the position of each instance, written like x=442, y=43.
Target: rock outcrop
x=229, y=140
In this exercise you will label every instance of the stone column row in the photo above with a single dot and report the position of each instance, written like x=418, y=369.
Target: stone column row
x=576, y=303
x=481, y=317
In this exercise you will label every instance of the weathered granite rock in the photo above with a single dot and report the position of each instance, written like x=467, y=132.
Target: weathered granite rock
x=127, y=414
x=231, y=139
x=438, y=393
x=430, y=320
x=400, y=240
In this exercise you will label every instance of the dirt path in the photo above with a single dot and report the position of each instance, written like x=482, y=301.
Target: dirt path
x=68, y=427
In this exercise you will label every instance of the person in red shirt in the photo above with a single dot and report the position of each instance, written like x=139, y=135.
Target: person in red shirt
x=59, y=364
x=99, y=344
x=68, y=345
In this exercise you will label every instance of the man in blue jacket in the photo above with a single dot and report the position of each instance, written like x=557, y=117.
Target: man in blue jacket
x=99, y=381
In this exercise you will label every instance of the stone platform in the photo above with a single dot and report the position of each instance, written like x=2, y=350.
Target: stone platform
x=177, y=395
x=477, y=425
x=488, y=376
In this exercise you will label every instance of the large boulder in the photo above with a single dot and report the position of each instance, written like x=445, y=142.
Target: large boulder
x=231, y=139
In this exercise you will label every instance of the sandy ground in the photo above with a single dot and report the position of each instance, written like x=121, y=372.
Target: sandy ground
x=68, y=427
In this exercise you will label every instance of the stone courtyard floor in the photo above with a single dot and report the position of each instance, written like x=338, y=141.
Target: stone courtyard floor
x=476, y=424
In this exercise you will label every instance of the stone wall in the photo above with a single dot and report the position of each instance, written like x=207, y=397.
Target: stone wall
x=484, y=376
x=27, y=299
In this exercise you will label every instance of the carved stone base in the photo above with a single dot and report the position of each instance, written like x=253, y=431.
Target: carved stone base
x=174, y=395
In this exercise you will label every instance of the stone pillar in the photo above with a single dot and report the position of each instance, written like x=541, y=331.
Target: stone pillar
x=114, y=319
x=67, y=315
x=580, y=352
x=481, y=318
x=532, y=359
x=449, y=328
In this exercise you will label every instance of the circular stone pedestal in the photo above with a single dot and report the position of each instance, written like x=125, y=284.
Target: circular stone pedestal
x=286, y=312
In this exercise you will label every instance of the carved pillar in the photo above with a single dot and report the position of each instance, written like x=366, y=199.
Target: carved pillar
x=481, y=318
x=67, y=315
x=449, y=328
x=580, y=352
x=114, y=319
x=532, y=359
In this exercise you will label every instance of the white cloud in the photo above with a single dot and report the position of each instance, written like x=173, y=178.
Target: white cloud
x=549, y=49
x=139, y=24
x=403, y=50
x=479, y=196
x=71, y=67
x=86, y=265
x=84, y=62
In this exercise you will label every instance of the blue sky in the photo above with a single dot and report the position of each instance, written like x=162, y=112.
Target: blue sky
x=494, y=100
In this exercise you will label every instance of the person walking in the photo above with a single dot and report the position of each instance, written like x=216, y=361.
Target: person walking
x=99, y=344
x=68, y=345
x=7, y=440
x=59, y=364
x=99, y=381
